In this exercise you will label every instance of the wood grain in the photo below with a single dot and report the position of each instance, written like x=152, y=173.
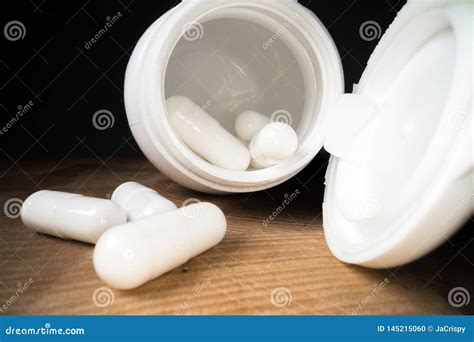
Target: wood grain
x=287, y=257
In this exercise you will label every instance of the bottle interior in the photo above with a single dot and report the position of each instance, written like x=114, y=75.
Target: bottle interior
x=230, y=65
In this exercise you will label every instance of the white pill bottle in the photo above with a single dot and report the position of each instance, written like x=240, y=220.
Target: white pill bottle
x=401, y=143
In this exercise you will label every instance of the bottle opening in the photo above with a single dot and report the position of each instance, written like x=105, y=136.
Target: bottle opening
x=229, y=57
x=246, y=58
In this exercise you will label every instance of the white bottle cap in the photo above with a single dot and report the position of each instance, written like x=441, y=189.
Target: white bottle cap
x=399, y=182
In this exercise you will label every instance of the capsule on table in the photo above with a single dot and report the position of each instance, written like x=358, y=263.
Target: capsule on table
x=205, y=136
x=129, y=255
x=70, y=216
x=275, y=143
x=139, y=202
x=249, y=123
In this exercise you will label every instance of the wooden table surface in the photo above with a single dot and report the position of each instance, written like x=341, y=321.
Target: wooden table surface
x=283, y=267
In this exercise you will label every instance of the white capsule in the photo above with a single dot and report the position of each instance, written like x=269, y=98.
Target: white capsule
x=129, y=255
x=275, y=143
x=249, y=123
x=205, y=136
x=139, y=202
x=70, y=216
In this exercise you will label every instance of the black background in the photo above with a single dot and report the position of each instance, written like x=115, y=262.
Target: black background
x=69, y=83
